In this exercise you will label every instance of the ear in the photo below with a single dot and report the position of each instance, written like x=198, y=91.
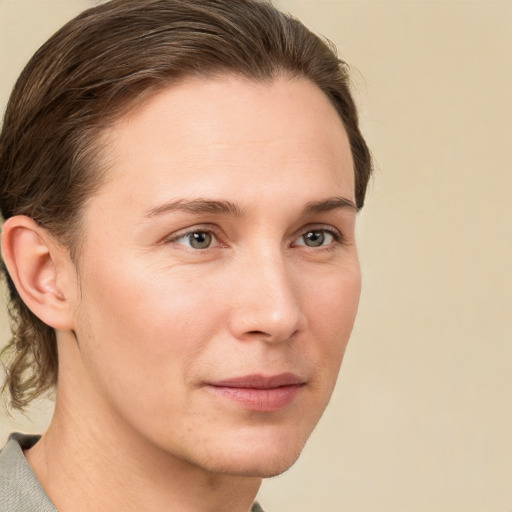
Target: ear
x=41, y=270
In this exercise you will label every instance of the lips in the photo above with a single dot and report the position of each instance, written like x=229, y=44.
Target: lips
x=259, y=393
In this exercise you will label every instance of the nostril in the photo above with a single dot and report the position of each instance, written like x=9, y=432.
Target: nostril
x=259, y=333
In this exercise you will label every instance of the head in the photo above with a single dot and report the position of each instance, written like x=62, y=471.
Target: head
x=95, y=91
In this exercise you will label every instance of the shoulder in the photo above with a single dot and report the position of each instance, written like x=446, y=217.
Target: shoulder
x=20, y=490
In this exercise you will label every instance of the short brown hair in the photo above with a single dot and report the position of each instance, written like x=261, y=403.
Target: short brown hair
x=87, y=75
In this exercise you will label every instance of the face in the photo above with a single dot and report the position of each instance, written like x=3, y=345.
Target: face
x=219, y=277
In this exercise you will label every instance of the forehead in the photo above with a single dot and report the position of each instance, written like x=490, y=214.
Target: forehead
x=225, y=132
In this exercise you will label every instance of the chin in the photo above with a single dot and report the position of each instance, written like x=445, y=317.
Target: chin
x=263, y=456
x=257, y=466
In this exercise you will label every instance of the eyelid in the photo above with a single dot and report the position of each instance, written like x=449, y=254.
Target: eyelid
x=204, y=228
x=323, y=227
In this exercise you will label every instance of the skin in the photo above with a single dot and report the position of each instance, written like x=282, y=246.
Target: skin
x=149, y=321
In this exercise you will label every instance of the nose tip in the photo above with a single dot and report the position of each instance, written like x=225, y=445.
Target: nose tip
x=267, y=307
x=271, y=324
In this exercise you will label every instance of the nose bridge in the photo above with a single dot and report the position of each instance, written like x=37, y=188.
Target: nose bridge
x=268, y=304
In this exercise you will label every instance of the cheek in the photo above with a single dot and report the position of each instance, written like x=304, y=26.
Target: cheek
x=331, y=313
x=145, y=330
x=334, y=300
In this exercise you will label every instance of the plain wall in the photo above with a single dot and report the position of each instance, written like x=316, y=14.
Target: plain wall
x=421, y=420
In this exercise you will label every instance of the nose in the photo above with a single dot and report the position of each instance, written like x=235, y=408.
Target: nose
x=267, y=303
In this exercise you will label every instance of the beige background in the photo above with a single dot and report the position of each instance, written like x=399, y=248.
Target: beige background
x=421, y=420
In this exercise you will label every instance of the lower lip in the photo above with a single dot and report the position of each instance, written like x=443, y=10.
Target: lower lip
x=259, y=400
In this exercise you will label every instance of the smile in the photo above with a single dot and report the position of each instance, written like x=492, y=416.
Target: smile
x=258, y=393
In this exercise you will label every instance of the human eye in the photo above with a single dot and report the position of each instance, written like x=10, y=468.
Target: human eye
x=318, y=237
x=196, y=238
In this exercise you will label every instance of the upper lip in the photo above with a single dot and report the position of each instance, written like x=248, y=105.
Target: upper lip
x=260, y=381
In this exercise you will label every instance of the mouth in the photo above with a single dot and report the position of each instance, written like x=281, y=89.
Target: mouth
x=259, y=393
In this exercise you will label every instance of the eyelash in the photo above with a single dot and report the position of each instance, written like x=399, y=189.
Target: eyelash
x=336, y=235
x=338, y=238
x=195, y=229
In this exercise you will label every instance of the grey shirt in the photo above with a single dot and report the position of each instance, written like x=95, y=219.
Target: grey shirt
x=20, y=490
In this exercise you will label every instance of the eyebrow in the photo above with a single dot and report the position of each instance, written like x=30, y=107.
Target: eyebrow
x=230, y=208
x=197, y=206
x=326, y=205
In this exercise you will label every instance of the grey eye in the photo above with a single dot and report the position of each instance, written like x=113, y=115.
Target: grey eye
x=199, y=239
x=314, y=238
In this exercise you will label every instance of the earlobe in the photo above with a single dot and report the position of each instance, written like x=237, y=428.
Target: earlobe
x=36, y=263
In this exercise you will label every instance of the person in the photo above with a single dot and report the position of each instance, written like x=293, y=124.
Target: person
x=179, y=187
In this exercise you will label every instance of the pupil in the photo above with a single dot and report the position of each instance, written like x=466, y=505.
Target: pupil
x=200, y=240
x=314, y=238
